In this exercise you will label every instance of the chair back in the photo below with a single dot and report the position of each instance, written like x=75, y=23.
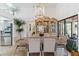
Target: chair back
x=34, y=44
x=49, y=45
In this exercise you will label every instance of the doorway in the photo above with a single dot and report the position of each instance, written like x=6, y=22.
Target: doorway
x=5, y=32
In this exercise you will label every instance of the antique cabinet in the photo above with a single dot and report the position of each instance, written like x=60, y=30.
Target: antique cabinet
x=46, y=25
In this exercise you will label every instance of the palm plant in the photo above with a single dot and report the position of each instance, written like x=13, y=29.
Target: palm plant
x=19, y=25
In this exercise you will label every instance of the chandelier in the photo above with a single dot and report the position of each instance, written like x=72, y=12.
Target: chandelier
x=39, y=9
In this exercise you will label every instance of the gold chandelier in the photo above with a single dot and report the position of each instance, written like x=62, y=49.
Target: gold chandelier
x=39, y=9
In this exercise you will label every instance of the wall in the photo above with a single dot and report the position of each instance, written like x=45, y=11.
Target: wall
x=28, y=15
x=64, y=10
x=59, y=11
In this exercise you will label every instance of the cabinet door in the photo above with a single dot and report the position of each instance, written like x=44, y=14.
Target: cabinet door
x=53, y=26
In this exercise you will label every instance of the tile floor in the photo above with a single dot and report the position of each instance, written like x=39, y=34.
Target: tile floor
x=21, y=51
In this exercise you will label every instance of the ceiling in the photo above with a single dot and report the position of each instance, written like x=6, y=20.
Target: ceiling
x=26, y=5
x=23, y=9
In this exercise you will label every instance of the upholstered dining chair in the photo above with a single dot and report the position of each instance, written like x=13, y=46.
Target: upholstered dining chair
x=34, y=46
x=21, y=44
x=49, y=47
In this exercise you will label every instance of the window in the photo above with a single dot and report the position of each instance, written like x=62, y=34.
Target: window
x=69, y=26
x=5, y=31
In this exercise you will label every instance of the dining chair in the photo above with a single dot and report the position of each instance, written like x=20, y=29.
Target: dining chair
x=34, y=47
x=49, y=47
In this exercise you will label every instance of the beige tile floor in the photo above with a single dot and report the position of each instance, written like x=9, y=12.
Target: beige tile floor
x=5, y=50
x=11, y=51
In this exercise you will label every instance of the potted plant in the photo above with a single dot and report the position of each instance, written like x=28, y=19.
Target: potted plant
x=19, y=25
x=71, y=46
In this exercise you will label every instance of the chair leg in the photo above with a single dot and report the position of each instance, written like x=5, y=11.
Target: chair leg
x=27, y=53
x=42, y=53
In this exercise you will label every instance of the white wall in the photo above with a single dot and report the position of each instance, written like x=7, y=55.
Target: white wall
x=28, y=15
x=50, y=11
x=64, y=10
x=59, y=11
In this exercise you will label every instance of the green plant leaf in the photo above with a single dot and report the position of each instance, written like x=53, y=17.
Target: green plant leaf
x=18, y=22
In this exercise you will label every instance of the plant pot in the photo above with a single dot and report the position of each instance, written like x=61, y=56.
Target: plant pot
x=74, y=53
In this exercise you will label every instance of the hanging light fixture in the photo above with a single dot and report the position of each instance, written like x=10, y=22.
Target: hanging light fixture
x=39, y=9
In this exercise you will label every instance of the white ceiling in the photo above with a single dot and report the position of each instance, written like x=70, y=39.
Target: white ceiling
x=26, y=5
x=26, y=10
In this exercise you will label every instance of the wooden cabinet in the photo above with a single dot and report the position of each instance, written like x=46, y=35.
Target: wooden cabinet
x=46, y=24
